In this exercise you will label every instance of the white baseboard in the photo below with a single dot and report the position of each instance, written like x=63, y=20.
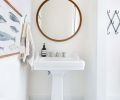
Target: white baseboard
x=113, y=97
x=48, y=98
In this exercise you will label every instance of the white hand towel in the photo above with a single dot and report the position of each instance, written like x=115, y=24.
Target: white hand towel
x=30, y=49
x=27, y=48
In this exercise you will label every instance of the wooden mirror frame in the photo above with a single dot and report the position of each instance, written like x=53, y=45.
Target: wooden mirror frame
x=58, y=40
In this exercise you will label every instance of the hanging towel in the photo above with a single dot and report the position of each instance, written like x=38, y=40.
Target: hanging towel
x=27, y=49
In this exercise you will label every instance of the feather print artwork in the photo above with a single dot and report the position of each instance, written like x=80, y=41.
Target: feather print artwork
x=5, y=37
x=13, y=17
x=10, y=29
x=14, y=29
x=2, y=20
x=12, y=47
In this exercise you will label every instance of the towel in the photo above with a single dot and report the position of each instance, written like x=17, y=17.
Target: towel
x=27, y=49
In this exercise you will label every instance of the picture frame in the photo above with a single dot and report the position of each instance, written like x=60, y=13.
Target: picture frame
x=9, y=29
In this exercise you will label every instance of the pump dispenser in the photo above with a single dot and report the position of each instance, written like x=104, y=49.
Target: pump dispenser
x=43, y=51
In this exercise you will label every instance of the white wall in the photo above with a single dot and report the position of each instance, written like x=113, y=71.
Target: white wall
x=81, y=84
x=108, y=86
x=13, y=76
x=76, y=84
x=101, y=50
x=113, y=58
x=12, y=79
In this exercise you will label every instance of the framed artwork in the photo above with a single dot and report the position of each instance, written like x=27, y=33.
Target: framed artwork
x=9, y=29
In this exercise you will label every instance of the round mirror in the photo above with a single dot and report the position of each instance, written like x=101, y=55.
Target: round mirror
x=59, y=20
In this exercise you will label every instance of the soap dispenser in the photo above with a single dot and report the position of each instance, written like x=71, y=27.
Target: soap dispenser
x=43, y=51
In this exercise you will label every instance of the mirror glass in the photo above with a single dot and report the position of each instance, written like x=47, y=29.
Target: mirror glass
x=59, y=20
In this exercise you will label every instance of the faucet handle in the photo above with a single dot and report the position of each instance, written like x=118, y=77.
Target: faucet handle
x=63, y=54
x=57, y=54
x=50, y=54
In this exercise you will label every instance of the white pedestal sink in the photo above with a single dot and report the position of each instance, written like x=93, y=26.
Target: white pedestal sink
x=58, y=67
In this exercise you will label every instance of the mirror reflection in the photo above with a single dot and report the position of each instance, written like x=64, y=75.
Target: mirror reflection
x=59, y=20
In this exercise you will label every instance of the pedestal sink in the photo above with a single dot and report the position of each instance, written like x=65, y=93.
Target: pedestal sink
x=58, y=67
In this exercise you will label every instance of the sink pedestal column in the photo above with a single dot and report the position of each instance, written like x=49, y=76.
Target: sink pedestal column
x=57, y=85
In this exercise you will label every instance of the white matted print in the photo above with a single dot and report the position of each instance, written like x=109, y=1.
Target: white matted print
x=9, y=29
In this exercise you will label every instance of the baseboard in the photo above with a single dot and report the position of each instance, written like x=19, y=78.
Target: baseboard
x=48, y=98
x=115, y=97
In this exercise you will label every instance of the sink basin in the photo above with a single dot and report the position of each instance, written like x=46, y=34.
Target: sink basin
x=58, y=63
x=57, y=59
x=58, y=67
